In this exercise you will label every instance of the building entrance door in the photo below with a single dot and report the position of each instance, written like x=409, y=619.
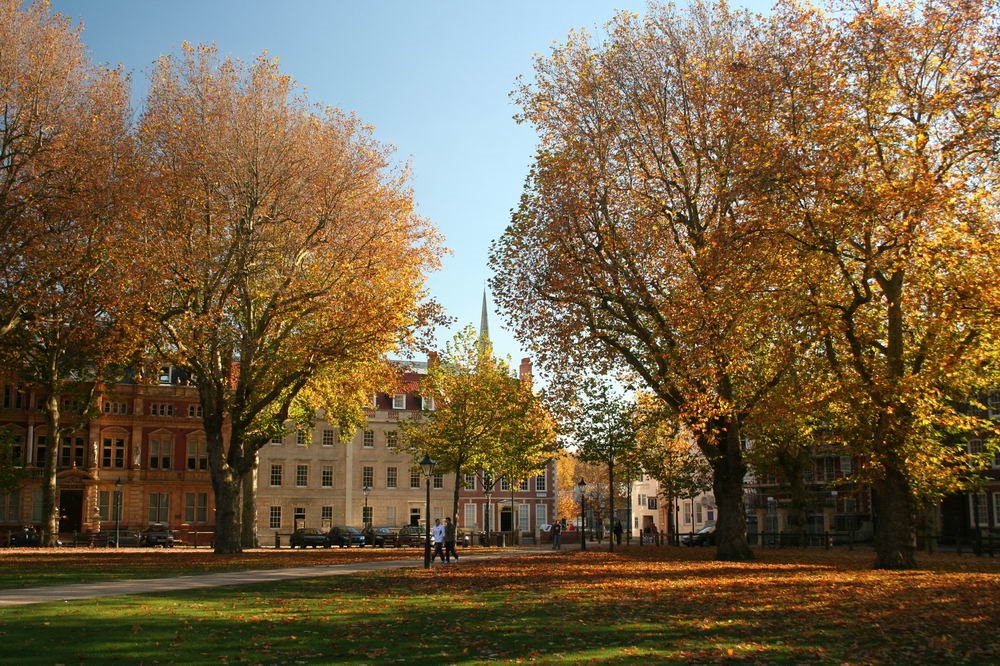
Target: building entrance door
x=70, y=510
x=506, y=524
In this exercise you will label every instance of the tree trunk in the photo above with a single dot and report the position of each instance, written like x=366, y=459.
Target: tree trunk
x=248, y=513
x=792, y=466
x=50, y=507
x=459, y=483
x=611, y=505
x=895, y=521
x=727, y=482
x=227, y=514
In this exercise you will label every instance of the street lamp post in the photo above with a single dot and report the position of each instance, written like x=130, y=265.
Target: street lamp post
x=366, y=489
x=488, y=491
x=628, y=514
x=427, y=466
x=583, y=514
x=118, y=510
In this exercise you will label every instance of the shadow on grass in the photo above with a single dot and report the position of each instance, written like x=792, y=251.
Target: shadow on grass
x=557, y=610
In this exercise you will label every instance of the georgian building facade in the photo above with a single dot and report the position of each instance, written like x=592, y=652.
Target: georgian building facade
x=142, y=458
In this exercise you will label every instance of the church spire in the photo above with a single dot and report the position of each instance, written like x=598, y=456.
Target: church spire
x=484, y=324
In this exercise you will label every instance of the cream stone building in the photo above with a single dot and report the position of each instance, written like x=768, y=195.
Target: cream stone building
x=320, y=477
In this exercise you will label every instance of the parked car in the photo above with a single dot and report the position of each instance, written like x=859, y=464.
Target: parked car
x=463, y=539
x=122, y=538
x=703, y=537
x=25, y=537
x=381, y=537
x=308, y=537
x=157, y=534
x=412, y=535
x=343, y=535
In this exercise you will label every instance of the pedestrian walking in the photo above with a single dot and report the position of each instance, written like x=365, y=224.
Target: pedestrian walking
x=557, y=536
x=438, y=533
x=618, y=532
x=449, y=541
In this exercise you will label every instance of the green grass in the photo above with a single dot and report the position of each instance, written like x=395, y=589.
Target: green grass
x=649, y=606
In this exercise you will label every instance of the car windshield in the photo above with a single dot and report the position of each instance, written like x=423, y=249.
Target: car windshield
x=309, y=531
x=707, y=528
x=348, y=530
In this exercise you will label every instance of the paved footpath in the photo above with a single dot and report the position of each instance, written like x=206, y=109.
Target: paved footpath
x=43, y=595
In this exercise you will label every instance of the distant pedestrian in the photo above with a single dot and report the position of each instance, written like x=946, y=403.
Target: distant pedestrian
x=618, y=532
x=557, y=536
x=437, y=532
x=656, y=535
x=449, y=541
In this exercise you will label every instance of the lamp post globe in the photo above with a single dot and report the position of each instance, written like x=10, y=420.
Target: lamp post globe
x=427, y=467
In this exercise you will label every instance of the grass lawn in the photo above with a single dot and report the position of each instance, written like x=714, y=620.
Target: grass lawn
x=646, y=605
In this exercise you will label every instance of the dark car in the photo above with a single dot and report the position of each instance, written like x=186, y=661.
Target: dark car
x=703, y=537
x=308, y=537
x=113, y=539
x=342, y=536
x=157, y=534
x=381, y=537
x=412, y=535
x=25, y=537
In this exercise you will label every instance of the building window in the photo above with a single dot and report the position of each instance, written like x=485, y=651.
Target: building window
x=329, y=437
x=302, y=436
x=197, y=453
x=470, y=481
x=996, y=509
x=275, y=475
x=427, y=404
x=41, y=449
x=523, y=486
x=194, y=411
x=326, y=476
x=541, y=515
x=540, y=483
x=196, y=507
x=113, y=453
x=504, y=485
x=301, y=476
x=523, y=517
x=366, y=515
x=369, y=439
x=326, y=514
x=274, y=518
x=651, y=504
x=414, y=478
x=299, y=516
x=470, y=515
x=277, y=440
x=368, y=476
x=160, y=447
x=72, y=452
x=390, y=516
x=439, y=481
x=161, y=409
x=977, y=510
x=399, y=401
x=117, y=408
x=391, y=439
x=993, y=403
x=390, y=477
x=159, y=507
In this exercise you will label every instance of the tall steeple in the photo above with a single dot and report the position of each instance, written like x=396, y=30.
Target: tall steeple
x=484, y=321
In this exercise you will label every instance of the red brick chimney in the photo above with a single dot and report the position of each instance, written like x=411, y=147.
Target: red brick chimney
x=524, y=371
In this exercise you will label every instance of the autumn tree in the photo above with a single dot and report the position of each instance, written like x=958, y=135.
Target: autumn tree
x=633, y=248
x=287, y=245
x=603, y=426
x=886, y=122
x=68, y=169
x=484, y=418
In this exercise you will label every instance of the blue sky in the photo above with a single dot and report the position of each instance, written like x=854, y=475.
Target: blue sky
x=433, y=78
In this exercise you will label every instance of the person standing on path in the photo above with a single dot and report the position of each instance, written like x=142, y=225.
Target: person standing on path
x=438, y=533
x=449, y=541
x=556, y=536
x=618, y=532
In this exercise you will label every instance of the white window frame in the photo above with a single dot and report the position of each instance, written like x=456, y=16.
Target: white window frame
x=277, y=471
x=541, y=515
x=470, y=515
x=368, y=439
x=391, y=477
x=399, y=401
x=427, y=404
x=326, y=476
x=274, y=518
x=983, y=517
x=302, y=476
